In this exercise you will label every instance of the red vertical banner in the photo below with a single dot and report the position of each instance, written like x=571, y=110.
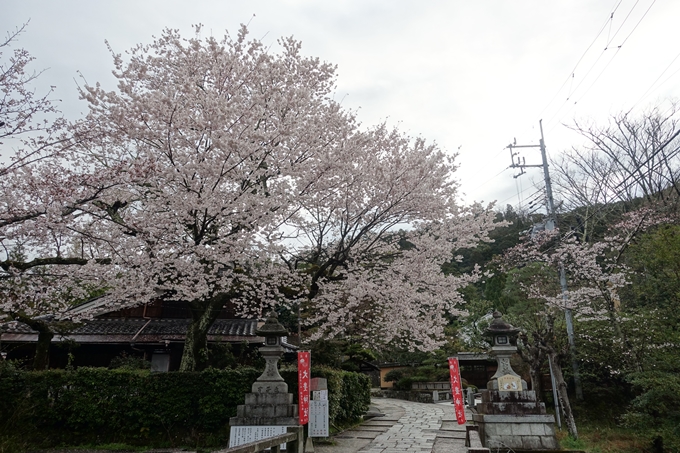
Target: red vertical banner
x=304, y=366
x=457, y=390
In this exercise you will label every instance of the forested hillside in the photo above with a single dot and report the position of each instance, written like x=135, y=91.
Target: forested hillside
x=618, y=241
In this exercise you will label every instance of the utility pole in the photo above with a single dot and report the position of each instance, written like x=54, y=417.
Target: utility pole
x=550, y=224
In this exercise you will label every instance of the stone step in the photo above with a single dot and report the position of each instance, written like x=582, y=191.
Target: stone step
x=370, y=429
x=451, y=434
x=452, y=426
x=442, y=445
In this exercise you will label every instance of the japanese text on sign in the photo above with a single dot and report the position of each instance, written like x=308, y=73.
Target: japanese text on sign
x=304, y=368
x=318, y=420
x=456, y=390
x=245, y=434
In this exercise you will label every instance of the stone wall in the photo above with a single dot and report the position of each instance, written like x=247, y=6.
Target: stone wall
x=419, y=397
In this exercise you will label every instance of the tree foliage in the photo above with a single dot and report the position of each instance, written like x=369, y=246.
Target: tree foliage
x=222, y=173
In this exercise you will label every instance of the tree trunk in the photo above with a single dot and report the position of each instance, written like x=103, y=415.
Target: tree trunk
x=41, y=360
x=563, y=396
x=195, y=356
x=534, y=356
x=536, y=382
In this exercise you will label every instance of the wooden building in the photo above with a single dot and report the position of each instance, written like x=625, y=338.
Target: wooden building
x=154, y=331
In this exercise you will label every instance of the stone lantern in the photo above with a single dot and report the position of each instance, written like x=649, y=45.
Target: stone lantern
x=504, y=345
x=509, y=416
x=269, y=404
x=271, y=381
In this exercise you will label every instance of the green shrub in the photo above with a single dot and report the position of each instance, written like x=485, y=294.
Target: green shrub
x=349, y=394
x=96, y=405
x=130, y=362
x=655, y=411
x=404, y=383
x=394, y=375
x=100, y=406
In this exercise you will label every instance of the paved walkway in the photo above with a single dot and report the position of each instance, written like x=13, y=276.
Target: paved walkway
x=405, y=427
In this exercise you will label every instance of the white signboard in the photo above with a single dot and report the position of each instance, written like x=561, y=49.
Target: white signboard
x=239, y=435
x=510, y=383
x=318, y=418
x=320, y=395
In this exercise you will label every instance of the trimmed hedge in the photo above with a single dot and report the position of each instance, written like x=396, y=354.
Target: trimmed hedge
x=349, y=393
x=90, y=406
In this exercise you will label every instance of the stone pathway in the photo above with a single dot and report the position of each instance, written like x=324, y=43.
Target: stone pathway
x=407, y=427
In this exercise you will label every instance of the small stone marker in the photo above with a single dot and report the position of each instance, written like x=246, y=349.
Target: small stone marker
x=509, y=383
x=471, y=397
x=318, y=383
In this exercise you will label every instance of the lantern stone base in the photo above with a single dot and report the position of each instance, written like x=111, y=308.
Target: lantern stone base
x=517, y=432
x=514, y=421
x=267, y=409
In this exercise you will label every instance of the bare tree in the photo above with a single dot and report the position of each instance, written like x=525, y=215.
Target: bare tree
x=631, y=158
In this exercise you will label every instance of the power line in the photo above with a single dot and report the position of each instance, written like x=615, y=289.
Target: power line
x=571, y=74
x=598, y=76
x=657, y=79
x=617, y=50
x=657, y=151
x=638, y=23
x=492, y=178
x=607, y=47
x=524, y=190
x=624, y=21
x=517, y=187
x=636, y=178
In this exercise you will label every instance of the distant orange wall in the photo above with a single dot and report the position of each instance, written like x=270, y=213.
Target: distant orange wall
x=383, y=372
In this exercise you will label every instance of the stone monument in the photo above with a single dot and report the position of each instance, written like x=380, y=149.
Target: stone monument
x=509, y=416
x=269, y=408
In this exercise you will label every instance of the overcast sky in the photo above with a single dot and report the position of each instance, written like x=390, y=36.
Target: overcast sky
x=470, y=75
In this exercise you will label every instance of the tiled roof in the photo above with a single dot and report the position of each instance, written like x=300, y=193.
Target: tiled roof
x=222, y=327
x=480, y=356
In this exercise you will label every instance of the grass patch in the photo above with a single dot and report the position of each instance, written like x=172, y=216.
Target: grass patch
x=599, y=432
x=605, y=440
x=336, y=428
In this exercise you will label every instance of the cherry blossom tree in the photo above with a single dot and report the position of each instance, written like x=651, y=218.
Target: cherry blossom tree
x=38, y=188
x=206, y=141
x=597, y=273
x=23, y=114
x=379, y=220
x=223, y=174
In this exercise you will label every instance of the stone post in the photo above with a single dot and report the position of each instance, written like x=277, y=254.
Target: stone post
x=471, y=397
